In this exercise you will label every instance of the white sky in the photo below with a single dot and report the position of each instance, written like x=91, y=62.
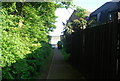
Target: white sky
x=63, y=14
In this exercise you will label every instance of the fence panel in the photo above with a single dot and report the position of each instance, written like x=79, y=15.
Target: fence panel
x=94, y=51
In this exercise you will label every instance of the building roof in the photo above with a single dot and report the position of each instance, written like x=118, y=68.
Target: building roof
x=73, y=16
x=109, y=6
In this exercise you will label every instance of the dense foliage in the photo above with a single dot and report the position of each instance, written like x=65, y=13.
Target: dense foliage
x=65, y=54
x=77, y=23
x=25, y=28
x=59, y=44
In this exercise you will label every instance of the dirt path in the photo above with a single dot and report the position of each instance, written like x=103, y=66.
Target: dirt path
x=60, y=69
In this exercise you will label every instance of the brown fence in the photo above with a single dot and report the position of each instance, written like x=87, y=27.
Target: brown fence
x=95, y=51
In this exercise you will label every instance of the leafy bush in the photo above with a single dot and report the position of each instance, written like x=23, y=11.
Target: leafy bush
x=25, y=28
x=24, y=38
x=65, y=54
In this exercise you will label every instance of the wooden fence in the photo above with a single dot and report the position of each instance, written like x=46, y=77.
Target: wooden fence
x=95, y=51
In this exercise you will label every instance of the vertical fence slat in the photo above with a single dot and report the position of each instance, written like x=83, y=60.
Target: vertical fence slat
x=94, y=51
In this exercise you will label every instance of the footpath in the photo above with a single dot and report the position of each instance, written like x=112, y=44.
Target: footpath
x=59, y=69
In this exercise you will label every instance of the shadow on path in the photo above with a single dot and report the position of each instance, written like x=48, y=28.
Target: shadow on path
x=59, y=69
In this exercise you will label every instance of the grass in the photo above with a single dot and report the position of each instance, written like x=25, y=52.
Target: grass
x=66, y=55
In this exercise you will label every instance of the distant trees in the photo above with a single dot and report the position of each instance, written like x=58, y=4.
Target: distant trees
x=59, y=44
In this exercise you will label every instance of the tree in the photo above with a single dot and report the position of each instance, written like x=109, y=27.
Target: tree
x=74, y=26
x=59, y=45
x=25, y=28
x=78, y=24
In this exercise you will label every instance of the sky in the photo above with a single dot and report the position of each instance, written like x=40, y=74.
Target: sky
x=64, y=14
x=90, y=5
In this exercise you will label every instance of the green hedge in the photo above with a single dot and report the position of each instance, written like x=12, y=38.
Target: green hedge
x=29, y=66
x=65, y=54
x=25, y=38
